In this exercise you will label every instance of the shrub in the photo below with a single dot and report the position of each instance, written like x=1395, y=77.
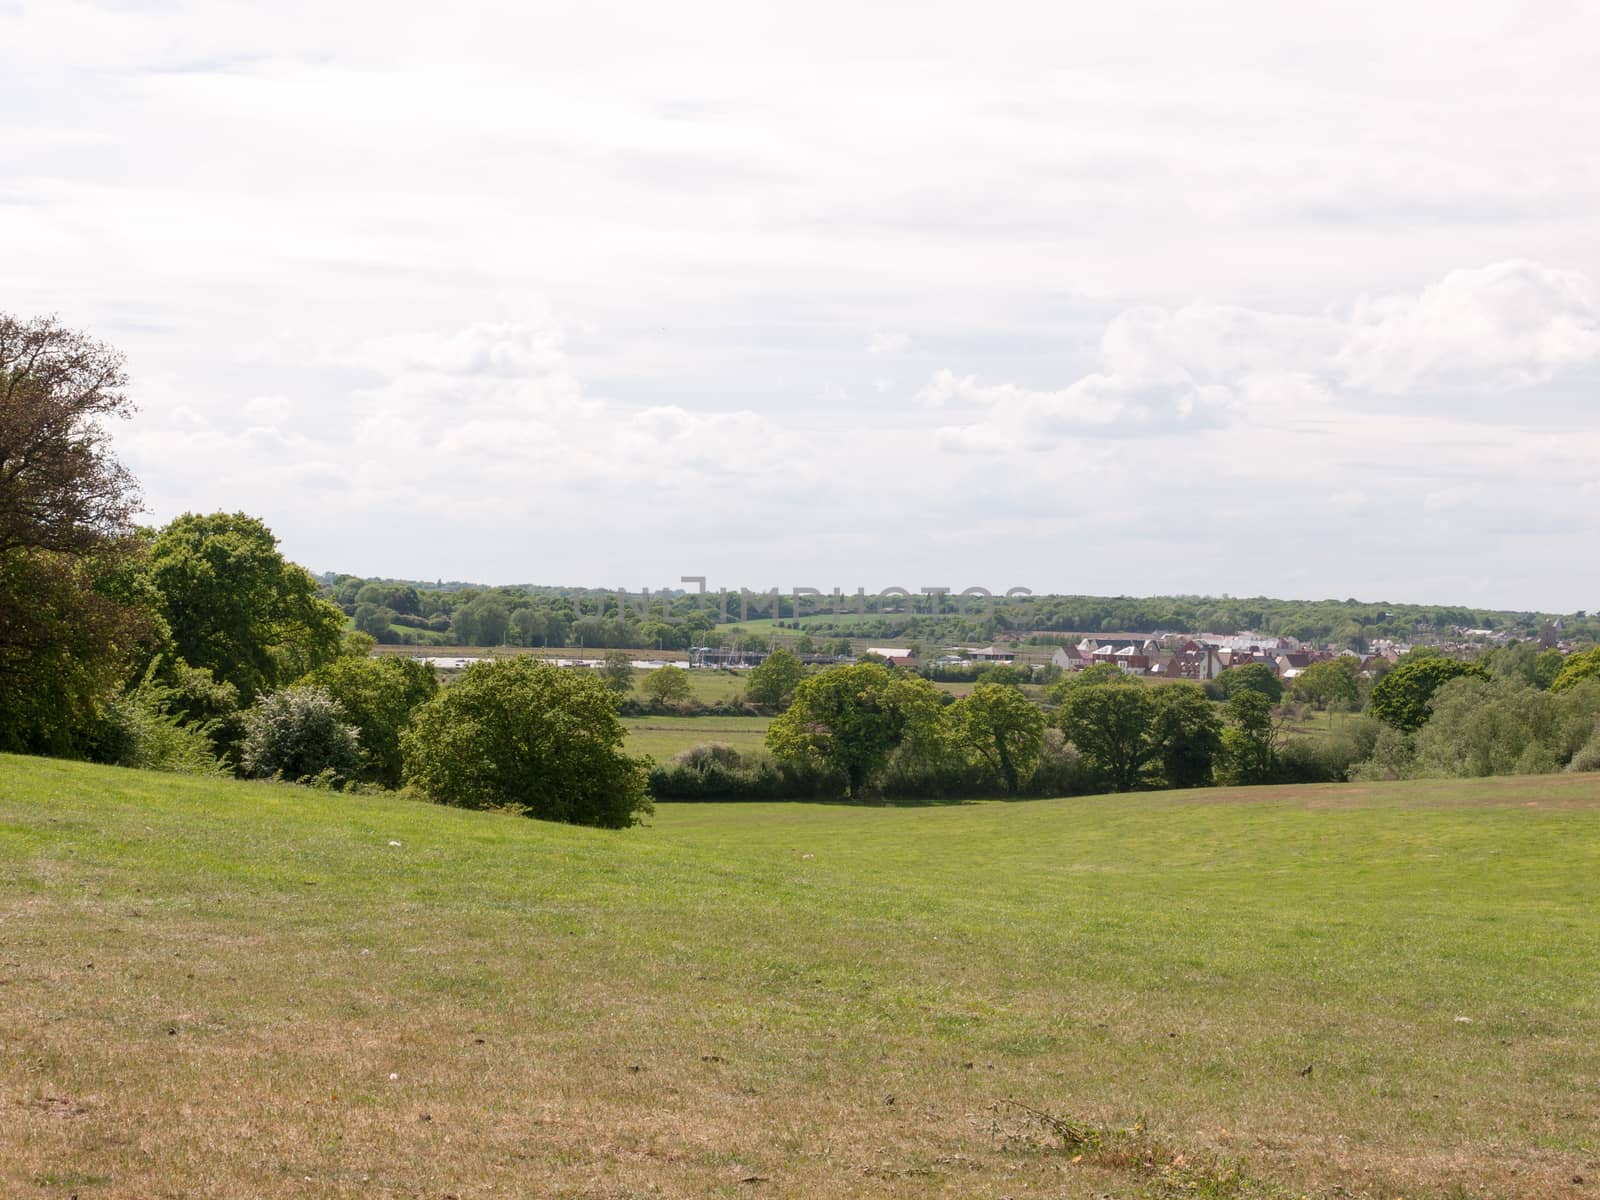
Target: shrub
x=298, y=733
x=1588, y=757
x=140, y=729
x=378, y=696
x=523, y=736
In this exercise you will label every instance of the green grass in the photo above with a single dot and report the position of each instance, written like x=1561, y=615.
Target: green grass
x=662, y=737
x=245, y=989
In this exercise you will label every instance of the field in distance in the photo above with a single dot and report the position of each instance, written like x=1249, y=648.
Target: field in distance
x=222, y=988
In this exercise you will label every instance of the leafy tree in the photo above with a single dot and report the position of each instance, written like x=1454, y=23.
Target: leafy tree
x=61, y=489
x=1330, y=681
x=482, y=621
x=667, y=685
x=1257, y=677
x=1110, y=724
x=299, y=733
x=528, y=737
x=236, y=606
x=1250, y=743
x=850, y=719
x=773, y=681
x=617, y=672
x=1000, y=728
x=839, y=647
x=378, y=696
x=1576, y=669
x=1093, y=675
x=1187, y=734
x=70, y=621
x=374, y=621
x=1401, y=697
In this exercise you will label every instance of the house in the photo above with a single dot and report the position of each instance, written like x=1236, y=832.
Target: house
x=992, y=654
x=898, y=656
x=1190, y=661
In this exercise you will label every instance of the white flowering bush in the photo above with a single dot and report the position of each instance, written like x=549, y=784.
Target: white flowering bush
x=299, y=734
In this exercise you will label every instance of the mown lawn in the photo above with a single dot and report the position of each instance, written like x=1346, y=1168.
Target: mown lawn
x=224, y=989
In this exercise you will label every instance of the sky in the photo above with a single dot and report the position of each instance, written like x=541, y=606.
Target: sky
x=1221, y=299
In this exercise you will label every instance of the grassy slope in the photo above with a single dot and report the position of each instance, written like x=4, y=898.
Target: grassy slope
x=205, y=988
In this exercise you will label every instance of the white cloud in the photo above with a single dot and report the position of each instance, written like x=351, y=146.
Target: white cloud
x=1504, y=326
x=422, y=285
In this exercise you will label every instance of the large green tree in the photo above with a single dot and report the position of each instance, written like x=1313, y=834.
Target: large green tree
x=1402, y=696
x=1187, y=734
x=1002, y=729
x=69, y=618
x=236, y=606
x=378, y=696
x=1110, y=724
x=1331, y=681
x=1576, y=669
x=528, y=737
x=773, y=681
x=851, y=719
x=1257, y=677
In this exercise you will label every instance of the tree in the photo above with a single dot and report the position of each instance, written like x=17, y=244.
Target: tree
x=1250, y=743
x=1110, y=724
x=1000, y=728
x=1092, y=676
x=1576, y=669
x=236, y=606
x=1187, y=734
x=1401, y=697
x=378, y=696
x=70, y=621
x=531, y=738
x=299, y=733
x=61, y=489
x=773, y=681
x=617, y=672
x=1330, y=681
x=850, y=719
x=667, y=685
x=1258, y=677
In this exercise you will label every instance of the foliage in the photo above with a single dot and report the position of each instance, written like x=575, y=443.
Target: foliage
x=617, y=672
x=1110, y=725
x=1588, y=756
x=378, y=696
x=140, y=728
x=1401, y=697
x=667, y=685
x=772, y=682
x=71, y=618
x=1505, y=727
x=61, y=489
x=298, y=733
x=1187, y=734
x=1001, y=728
x=1577, y=668
x=528, y=737
x=236, y=607
x=1330, y=681
x=1250, y=743
x=849, y=719
x=1255, y=677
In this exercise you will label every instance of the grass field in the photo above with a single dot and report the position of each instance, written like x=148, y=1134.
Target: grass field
x=663, y=737
x=226, y=989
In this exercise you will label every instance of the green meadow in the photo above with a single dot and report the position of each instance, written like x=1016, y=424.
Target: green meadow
x=214, y=988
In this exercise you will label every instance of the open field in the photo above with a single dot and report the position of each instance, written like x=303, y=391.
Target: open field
x=663, y=737
x=226, y=989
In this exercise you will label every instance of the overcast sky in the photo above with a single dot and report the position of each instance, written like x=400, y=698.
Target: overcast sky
x=1171, y=298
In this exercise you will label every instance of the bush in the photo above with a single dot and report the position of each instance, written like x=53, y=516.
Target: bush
x=1587, y=758
x=140, y=729
x=378, y=696
x=299, y=733
x=520, y=735
x=718, y=772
